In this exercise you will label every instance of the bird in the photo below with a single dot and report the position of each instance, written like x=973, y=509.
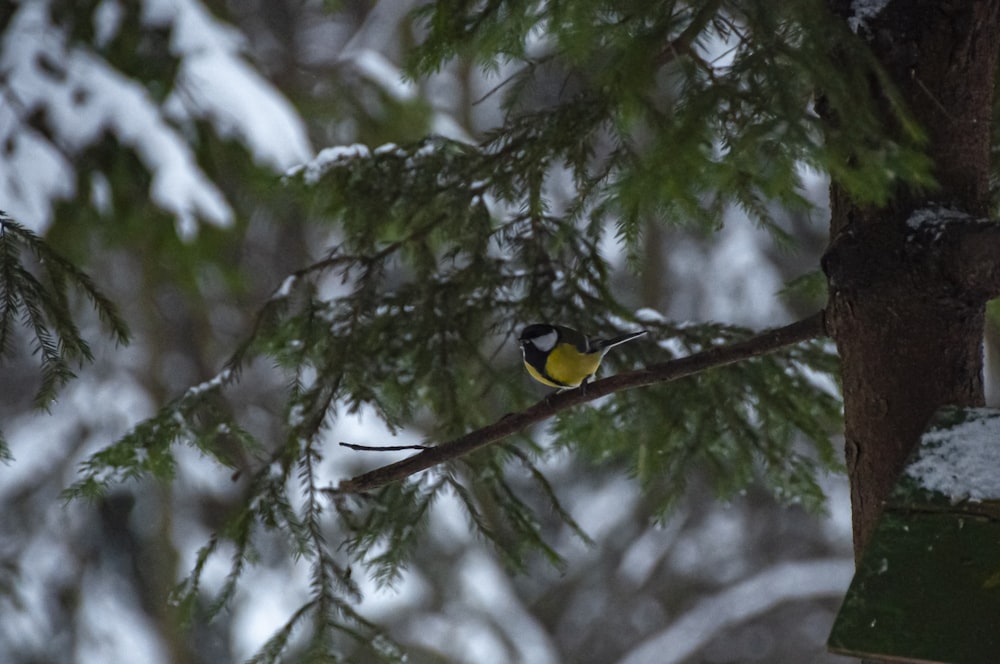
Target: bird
x=562, y=357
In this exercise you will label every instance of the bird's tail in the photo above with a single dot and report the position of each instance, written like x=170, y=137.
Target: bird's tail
x=604, y=344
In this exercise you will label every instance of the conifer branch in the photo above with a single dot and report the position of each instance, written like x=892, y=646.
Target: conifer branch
x=37, y=292
x=682, y=44
x=756, y=346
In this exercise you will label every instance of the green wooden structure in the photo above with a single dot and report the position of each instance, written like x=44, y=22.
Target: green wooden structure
x=928, y=586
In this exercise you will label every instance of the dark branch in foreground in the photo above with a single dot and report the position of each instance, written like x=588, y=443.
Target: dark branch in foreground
x=384, y=448
x=761, y=344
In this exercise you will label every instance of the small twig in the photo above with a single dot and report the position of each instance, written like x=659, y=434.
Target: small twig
x=385, y=448
x=530, y=65
x=682, y=44
x=761, y=344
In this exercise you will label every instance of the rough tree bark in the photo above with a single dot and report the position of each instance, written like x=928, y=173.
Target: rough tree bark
x=907, y=305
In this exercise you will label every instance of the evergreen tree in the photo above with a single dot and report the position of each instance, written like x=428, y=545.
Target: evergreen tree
x=910, y=277
x=620, y=120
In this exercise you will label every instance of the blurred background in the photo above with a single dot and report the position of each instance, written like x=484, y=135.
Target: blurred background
x=146, y=140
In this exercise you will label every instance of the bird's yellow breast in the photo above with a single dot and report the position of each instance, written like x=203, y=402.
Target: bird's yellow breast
x=569, y=366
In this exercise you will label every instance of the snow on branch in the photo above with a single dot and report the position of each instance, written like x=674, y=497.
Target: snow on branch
x=84, y=97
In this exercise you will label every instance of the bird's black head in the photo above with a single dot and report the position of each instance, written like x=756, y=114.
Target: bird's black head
x=540, y=337
x=535, y=331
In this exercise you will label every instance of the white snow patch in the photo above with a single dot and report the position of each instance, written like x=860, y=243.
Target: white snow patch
x=194, y=28
x=962, y=462
x=443, y=124
x=327, y=157
x=112, y=625
x=389, y=148
x=33, y=174
x=214, y=82
x=646, y=552
x=823, y=382
x=935, y=216
x=265, y=605
x=862, y=11
x=486, y=586
x=214, y=383
x=84, y=98
x=30, y=618
x=651, y=316
x=221, y=87
x=598, y=510
x=383, y=73
x=285, y=289
x=107, y=21
x=100, y=193
x=737, y=603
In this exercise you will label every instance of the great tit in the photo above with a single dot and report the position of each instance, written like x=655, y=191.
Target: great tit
x=561, y=357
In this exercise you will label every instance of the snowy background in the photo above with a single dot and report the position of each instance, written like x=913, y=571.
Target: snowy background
x=99, y=149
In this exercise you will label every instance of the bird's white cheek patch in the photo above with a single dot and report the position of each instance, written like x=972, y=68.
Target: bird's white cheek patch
x=545, y=342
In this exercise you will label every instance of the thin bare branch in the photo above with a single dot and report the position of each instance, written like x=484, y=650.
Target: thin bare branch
x=761, y=344
x=383, y=448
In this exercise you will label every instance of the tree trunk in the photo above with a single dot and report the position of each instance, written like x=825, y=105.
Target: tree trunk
x=906, y=305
